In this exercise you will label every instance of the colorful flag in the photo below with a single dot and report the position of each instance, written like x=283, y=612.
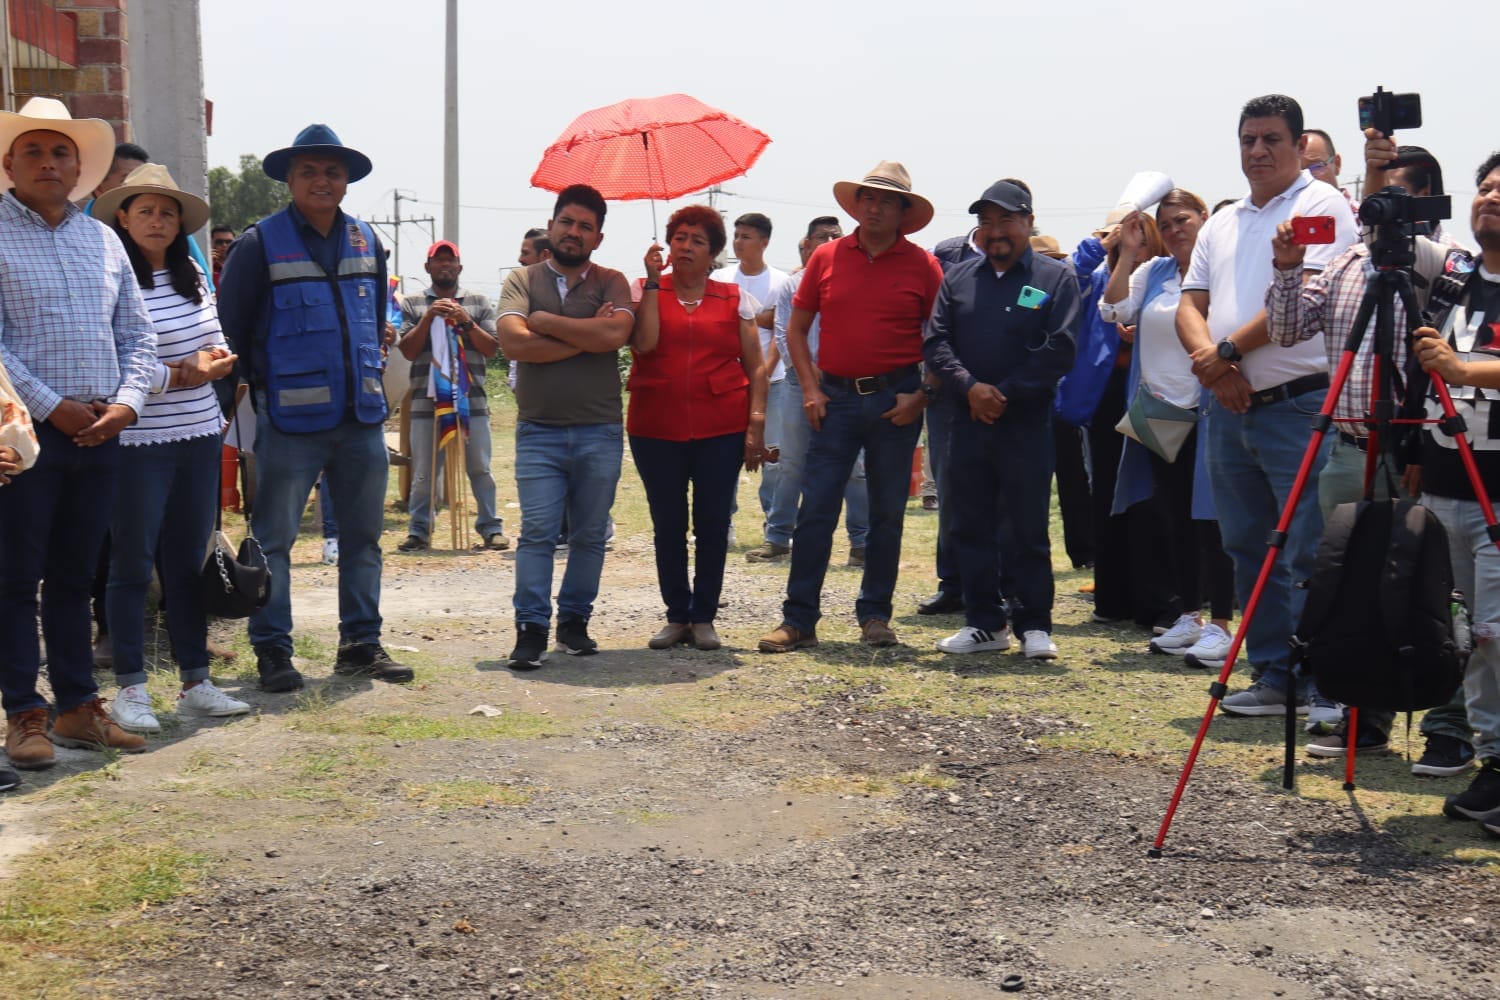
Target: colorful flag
x=449, y=386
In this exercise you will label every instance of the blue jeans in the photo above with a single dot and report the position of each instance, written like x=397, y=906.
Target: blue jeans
x=770, y=472
x=164, y=513
x=476, y=463
x=851, y=423
x=1476, y=572
x=572, y=469
x=1253, y=460
x=793, y=435
x=353, y=458
x=1007, y=466
x=326, y=511
x=711, y=467
x=940, y=419
x=52, y=521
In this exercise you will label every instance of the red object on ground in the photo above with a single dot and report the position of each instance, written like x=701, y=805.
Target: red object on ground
x=655, y=147
x=916, y=473
x=229, y=478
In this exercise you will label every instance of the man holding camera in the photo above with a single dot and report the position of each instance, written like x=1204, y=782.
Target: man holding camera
x=1326, y=304
x=1263, y=400
x=1465, y=353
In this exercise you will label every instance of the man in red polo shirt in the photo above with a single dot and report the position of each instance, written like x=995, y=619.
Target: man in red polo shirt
x=872, y=291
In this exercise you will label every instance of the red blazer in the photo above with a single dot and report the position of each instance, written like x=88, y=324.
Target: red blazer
x=693, y=385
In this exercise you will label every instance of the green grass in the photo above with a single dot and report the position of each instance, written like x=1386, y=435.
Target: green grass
x=463, y=793
x=627, y=962
x=410, y=726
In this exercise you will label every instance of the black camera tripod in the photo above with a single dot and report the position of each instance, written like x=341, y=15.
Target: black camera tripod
x=1390, y=282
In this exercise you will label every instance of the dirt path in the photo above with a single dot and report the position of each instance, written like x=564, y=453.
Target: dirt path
x=838, y=824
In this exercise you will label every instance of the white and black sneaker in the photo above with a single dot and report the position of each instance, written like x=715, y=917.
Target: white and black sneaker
x=975, y=640
x=1179, y=636
x=1210, y=649
x=531, y=647
x=573, y=637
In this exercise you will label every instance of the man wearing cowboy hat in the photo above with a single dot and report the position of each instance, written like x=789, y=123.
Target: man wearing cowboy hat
x=79, y=346
x=872, y=292
x=303, y=305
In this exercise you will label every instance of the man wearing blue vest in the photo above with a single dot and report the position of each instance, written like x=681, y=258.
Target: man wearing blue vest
x=303, y=303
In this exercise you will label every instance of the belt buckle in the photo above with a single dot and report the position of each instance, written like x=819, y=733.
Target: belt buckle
x=867, y=386
x=1264, y=397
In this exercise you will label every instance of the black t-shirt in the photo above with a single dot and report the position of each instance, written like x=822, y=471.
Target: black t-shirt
x=1443, y=472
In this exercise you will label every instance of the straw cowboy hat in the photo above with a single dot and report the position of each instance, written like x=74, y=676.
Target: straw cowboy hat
x=316, y=140
x=887, y=175
x=152, y=178
x=93, y=137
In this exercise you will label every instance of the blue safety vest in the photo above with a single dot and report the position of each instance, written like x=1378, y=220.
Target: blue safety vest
x=324, y=337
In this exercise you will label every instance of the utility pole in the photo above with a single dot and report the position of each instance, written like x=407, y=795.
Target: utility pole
x=394, y=225
x=450, y=128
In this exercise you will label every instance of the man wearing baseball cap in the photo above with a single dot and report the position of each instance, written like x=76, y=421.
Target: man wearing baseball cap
x=303, y=305
x=79, y=346
x=1000, y=337
x=871, y=292
x=471, y=317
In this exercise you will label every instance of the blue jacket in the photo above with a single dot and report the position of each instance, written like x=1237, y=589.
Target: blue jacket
x=1135, y=481
x=1079, y=392
x=321, y=357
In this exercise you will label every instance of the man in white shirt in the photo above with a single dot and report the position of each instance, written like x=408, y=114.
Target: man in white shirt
x=1259, y=423
x=752, y=234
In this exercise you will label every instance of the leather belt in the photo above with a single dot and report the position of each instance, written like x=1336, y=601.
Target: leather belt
x=869, y=384
x=1288, y=390
x=1363, y=444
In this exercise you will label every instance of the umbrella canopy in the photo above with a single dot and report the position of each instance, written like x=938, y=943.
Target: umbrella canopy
x=655, y=147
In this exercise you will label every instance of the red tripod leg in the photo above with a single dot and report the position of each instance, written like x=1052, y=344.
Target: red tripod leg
x=1277, y=542
x=1353, y=729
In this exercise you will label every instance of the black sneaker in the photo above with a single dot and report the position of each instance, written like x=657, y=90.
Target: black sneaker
x=1482, y=796
x=573, y=637
x=414, y=543
x=8, y=779
x=277, y=675
x=1444, y=757
x=531, y=647
x=369, y=659
x=1336, y=744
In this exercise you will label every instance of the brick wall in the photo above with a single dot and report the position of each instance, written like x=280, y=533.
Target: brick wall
x=100, y=86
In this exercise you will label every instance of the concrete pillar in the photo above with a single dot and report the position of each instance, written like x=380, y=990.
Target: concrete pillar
x=167, y=114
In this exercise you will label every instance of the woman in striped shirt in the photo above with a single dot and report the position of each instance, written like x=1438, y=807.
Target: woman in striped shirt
x=169, y=465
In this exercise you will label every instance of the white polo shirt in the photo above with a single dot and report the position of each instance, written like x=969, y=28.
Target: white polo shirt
x=1232, y=262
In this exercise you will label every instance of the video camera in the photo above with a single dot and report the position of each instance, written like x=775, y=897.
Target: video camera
x=1395, y=216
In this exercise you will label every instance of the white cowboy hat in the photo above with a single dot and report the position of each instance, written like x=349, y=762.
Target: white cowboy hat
x=887, y=175
x=151, y=178
x=93, y=137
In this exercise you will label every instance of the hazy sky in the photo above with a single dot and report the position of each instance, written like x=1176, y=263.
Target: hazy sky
x=1074, y=97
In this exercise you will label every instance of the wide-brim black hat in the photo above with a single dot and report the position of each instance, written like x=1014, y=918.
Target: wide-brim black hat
x=312, y=141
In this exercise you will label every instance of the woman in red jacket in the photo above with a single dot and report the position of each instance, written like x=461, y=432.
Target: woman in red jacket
x=697, y=413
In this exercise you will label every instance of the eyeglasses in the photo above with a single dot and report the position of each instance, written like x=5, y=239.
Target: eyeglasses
x=1321, y=165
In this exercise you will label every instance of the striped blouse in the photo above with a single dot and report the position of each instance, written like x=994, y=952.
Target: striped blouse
x=182, y=328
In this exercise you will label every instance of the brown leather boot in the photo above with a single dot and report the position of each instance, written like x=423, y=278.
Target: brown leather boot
x=26, y=740
x=89, y=727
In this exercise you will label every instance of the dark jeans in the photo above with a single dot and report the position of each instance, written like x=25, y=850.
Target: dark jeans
x=851, y=423
x=711, y=466
x=164, y=512
x=1073, y=493
x=1112, y=597
x=940, y=419
x=1195, y=561
x=52, y=522
x=1007, y=466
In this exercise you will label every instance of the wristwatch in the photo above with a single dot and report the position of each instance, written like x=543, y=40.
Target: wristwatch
x=465, y=326
x=1228, y=351
x=930, y=391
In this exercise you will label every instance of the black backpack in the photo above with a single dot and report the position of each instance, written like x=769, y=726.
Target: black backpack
x=1377, y=629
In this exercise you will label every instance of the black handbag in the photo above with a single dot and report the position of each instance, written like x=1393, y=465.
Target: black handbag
x=234, y=585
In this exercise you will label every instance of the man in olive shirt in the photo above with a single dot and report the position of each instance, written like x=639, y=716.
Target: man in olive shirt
x=564, y=320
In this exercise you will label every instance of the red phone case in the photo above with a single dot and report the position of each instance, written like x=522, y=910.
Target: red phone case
x=1313, y=229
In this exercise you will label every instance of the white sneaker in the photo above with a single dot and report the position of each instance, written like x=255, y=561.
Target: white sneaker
x=1185, y=631
x=1210, y=649
x=1038, y=645
x=330, y=552
x=132, y=710
x=203, y=699
x=975, y=640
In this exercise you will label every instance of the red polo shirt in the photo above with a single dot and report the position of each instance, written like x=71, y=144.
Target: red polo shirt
x=871, y=309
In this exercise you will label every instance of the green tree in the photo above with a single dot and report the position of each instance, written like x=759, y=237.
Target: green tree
x=249, y=196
